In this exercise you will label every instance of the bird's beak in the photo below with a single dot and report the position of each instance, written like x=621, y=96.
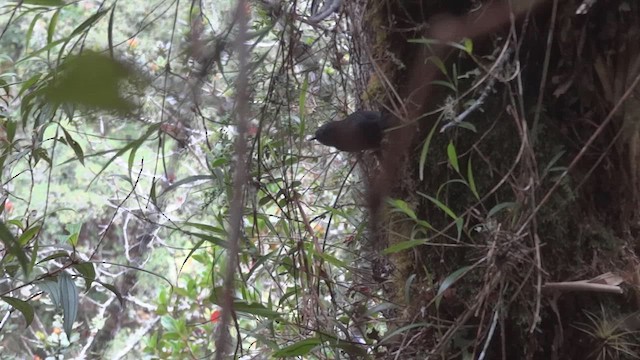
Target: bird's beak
x=313, y=138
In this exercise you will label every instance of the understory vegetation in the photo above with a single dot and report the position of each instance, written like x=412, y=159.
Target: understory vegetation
x=162, y=196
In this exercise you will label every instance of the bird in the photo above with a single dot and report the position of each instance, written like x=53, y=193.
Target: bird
x=361, y=130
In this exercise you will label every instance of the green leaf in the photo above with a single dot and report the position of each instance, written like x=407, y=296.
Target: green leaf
x=403, y=207
x=113, y=290
x=468, y=45
x=261, y=260
x=187, y=180
x=403, y=245
x=356, y=351
x=208, y=228
x=24, y=307
x=407, y=288
x=53, y=289
x=88, y=271
x=439, y=64
x=551, y=163
x=41, y=153
x=255, y=309
x=46, y=48
x=449, y=281
x=11, y=127
x=89, y=22
x=13, y=247
x=52, y=26
x=446, y=84
x=29, y=33
x=425, y=149
x=152, y=129
x=74, y=233
x=439, y=204
x=57, y=255
x=42, y=2
x=152, y=193
x=77, y=149
x=467, y=125
x=191, y=252
x=299, y=348
x=28, y=235
x=471, y=181
x=327, y=257
x=402, y=329
x=505, y=205
x=169, y=324
x=453, y=156
x=69, y=300
x=26, y=85
x=209, y=238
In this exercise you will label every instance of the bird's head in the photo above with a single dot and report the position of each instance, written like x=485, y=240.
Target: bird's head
x=324, y=134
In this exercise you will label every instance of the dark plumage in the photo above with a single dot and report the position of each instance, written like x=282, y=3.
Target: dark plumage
x=361, y=130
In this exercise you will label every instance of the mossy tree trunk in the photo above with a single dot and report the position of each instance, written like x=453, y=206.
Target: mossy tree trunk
x=538, y=185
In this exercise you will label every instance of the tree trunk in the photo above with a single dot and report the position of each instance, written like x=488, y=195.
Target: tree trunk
x=537, y=185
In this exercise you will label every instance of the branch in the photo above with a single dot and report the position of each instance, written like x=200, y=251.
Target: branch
x=239, y=180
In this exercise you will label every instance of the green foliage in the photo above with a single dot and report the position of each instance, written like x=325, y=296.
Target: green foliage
x=116, y=137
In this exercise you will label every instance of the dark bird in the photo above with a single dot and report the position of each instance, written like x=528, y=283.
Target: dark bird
x=361, y=130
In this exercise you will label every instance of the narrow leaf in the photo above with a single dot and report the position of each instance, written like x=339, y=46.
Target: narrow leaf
x=299, y=348
x=52, y=26
x=28, y=235
x=453, y=157
x=113, y=290
x=505, y=205
x=471, y=181
x=77, y=149
x=403, y=245
x=425, y=150
x=449, y=281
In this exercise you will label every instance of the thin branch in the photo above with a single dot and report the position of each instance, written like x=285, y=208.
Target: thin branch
x=239, y=179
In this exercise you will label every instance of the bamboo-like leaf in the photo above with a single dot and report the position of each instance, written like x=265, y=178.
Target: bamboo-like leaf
x=446, y=84
x=403, y=245
x=29, y=33
x=403, y=207
x=468, y=45
x=92, y=20
x=77, y=149
x=51, y=29
x=113, y=290
x=152, y=129
x=449, y=281
x=28, y=235
x=441, y=205
x=425, y=150
x=505, y=205
x=453, y=156
x=299, y=348
x=43, y=2
x=471, y=181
